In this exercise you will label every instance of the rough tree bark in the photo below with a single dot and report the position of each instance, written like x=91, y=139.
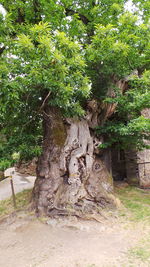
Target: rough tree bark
x=71, y=177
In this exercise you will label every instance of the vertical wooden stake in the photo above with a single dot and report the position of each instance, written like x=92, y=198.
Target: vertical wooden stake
x=13, y=192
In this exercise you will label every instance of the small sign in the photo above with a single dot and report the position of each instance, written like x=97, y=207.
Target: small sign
x=9, y=172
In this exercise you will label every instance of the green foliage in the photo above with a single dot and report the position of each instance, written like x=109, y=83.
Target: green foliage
x=137, y=98
x=44, y=62
x=19, y=146
x=119, y=49
x=5, y=163
x=128, y=128
x=60, y=53
x=126, y=135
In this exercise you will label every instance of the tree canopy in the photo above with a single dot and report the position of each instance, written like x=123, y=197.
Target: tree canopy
x=65, y=53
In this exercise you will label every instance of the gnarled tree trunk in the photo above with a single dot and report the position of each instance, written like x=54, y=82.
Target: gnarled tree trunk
x=71, y=177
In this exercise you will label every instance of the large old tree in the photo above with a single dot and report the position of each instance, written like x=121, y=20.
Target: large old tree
x=78, y=70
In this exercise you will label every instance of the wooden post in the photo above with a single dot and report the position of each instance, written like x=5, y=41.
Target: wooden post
x=9, y=174
x=13, y=192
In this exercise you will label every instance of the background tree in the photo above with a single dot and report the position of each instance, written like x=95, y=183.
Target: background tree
x=75, y=75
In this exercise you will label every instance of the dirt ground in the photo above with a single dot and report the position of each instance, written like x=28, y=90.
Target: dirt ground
x=28, y=242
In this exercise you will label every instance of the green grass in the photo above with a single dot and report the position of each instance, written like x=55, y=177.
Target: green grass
x=136, y=202
x=22, y=202
x=141, y=252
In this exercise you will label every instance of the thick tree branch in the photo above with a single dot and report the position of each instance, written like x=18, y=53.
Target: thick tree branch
x=43, y=104
x=21, y=16
x=83, y=18
x=2, y=49
x=36, y=7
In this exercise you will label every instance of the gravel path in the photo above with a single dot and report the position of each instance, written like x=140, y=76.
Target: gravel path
x=26, y=242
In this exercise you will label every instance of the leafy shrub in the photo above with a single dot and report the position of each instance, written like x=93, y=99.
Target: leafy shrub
x=5, y=163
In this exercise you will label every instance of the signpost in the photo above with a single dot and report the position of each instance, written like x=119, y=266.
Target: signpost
x=9, y=173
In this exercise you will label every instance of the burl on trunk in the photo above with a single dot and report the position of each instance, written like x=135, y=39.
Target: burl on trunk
x=71, y=177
